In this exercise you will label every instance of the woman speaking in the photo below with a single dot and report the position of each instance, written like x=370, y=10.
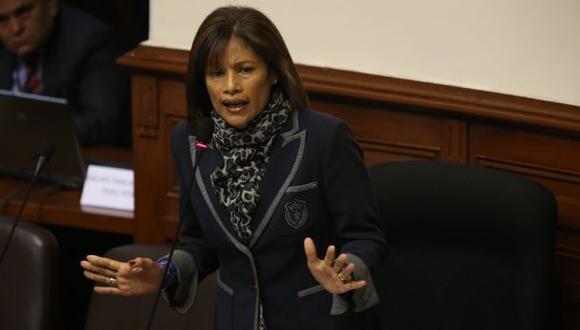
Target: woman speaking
x=278, y=186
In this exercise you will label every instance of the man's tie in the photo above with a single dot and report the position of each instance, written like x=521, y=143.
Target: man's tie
x=32, y=84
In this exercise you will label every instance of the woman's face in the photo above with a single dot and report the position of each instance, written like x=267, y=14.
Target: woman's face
x=239, y=87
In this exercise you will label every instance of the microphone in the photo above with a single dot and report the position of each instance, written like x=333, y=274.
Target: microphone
x=203, y=129
x=43, y=157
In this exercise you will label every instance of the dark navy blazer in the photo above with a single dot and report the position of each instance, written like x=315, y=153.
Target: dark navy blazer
x=315, y=185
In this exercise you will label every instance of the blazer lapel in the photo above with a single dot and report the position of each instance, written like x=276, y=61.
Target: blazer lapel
x=285, y=159
x=210, y=161
x=6, y=68
x=48, y=76
x=52, y=73
x=56, y=58
x=208, y=164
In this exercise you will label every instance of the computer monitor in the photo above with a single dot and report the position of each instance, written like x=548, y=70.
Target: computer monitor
x=30, y=123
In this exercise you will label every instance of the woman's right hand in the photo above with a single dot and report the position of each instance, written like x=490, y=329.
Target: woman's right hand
x=138, y=276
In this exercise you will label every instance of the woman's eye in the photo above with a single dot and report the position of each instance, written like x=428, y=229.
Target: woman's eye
x=217, y=73
x=247, y=69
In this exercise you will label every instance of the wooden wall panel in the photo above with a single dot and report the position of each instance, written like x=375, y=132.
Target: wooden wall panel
x=552, y=160
x=170, y=204
x=146, y=120
x=401, y=135
x=172, y=97
x=174, y=110
x=146, y=143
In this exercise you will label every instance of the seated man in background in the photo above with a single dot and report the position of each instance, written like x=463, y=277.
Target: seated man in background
x=51, y=49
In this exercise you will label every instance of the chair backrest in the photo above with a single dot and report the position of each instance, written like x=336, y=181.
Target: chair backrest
x=28, y=285
x=471, y=248
x=121, y=313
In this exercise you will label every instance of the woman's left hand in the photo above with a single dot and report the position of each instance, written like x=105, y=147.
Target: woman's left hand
x=334, y=274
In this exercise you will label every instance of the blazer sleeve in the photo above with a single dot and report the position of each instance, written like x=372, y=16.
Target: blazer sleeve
x=352, y=207
x=193, y=257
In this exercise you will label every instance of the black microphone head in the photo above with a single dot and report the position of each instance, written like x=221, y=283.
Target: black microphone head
x=203, y=129
x=46, y=152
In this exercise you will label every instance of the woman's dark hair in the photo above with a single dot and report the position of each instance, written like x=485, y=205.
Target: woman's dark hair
x=256, y=31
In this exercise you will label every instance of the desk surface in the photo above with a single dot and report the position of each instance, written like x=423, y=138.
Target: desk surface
x=58, y=206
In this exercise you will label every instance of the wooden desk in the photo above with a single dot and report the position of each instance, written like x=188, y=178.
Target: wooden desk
x=57, y=206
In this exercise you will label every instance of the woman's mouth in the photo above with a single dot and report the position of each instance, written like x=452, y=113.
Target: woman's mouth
x=235, y=105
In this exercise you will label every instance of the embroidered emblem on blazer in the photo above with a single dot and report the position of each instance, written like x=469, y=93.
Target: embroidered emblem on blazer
x=296, y=213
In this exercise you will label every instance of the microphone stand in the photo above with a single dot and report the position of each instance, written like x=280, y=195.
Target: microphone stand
x=205, y=128
x=43, y=159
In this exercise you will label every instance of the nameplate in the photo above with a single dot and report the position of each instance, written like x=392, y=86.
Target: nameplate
x=108, y=187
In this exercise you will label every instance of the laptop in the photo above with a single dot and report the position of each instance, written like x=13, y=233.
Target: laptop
x=30, y=123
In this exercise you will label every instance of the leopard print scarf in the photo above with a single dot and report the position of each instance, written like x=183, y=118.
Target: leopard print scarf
x=246, y=153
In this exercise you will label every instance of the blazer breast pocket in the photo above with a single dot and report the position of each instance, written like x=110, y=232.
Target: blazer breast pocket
x=302, y=187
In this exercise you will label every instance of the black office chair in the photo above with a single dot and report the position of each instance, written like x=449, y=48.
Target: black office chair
x=28, y=286
x=470, y=248
x=121, y=313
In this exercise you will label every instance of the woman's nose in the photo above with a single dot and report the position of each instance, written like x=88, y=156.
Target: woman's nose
x=232, y=84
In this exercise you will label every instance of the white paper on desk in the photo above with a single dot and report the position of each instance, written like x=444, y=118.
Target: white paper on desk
x=108, y=187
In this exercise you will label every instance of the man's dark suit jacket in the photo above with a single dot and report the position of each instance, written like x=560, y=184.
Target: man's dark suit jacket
x=78, y=64
x=315, y=185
